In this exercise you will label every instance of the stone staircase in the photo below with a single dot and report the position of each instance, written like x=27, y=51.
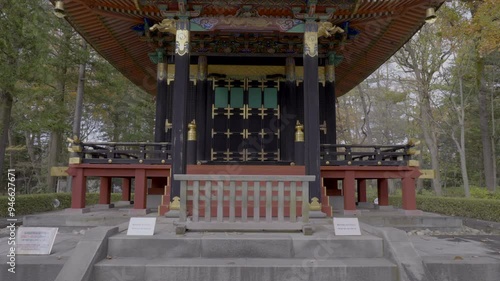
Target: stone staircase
x=249, y=256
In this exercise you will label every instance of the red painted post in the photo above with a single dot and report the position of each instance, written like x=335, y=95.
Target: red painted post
x=78, y=190
x=383, y=192
x=126, y=190
x=349, y=194
x=409, y=196
x=105, y=191
x=361, y=190
x=140, y=189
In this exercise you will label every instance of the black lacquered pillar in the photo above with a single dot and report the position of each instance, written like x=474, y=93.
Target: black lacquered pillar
x=201, y=108
x=311, y=107
x=179, y=108
x=161, y=95
x=331, y=112
x=288, y=112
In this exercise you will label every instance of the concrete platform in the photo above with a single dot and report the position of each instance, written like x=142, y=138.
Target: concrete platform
x=381, y=253
x=40, y=268
x=243, y=269
x=457, y=268
x=250, y=245
x=391, y=217
x=67, y=221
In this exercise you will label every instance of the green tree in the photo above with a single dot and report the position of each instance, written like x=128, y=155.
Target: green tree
x=23, y=31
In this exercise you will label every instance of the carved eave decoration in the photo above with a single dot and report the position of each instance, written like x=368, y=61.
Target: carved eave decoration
x=365, y=33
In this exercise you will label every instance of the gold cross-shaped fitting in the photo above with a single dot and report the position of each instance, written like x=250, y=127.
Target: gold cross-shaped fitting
x=322, y=127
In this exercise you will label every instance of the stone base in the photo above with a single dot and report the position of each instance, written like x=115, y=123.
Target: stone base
x=337, y=202
x=104, y=206
x=77, y=210
x=180, y=229
x=172, y=214
x=316, y=214
x=307, y=229
x=366, y=205
x=125, y=202
x=411, y=212
x=351, y=212
x=138, y=212
x=384, y=208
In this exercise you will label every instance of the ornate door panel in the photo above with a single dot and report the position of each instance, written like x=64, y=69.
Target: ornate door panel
x=246, y=122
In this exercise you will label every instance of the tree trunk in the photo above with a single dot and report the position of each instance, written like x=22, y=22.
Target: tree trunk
x=366, y=127
x=461, y=147
x=488, y=166
x=55, y=143
x=430, y=139
x=29, y=140
x=54, y=150
x=77, y=121
x=420, y=182
x=5, y=116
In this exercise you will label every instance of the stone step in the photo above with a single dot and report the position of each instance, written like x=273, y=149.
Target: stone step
x=463, y=268
x=200, y=269
x=248, y=245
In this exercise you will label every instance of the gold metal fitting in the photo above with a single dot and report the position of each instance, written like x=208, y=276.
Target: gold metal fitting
x=299, y=134
x=140, y=161
x=163, y=161
x=110, y=161
x=192, y=131
x=292, y=163
x=59, y=9
x=414, y=152
x=413, y=142
x=349, y=163
x=75, y=160
x=379, y=163
x=315, y=205
x=430, y=15
x=75, y=148
x=327, y=162
x=175, y=204
x=168, y=125
x=414, y=163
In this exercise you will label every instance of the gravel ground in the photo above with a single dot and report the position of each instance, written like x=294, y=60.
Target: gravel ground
x=464, y=231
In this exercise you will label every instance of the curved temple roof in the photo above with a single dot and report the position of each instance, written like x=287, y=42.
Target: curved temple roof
x=236, y=32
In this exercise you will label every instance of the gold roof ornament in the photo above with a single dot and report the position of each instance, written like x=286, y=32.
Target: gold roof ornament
x=165, y=26
x=59, y=9
x=430, y=15
x=327, y=29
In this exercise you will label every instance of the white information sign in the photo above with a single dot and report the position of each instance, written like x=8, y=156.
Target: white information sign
x=35, y=240
x=346, y=226
x=141, y=226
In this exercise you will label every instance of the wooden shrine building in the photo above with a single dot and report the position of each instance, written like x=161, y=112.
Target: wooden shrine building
x=245, y=88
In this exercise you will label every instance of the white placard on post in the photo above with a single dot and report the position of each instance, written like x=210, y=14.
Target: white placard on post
x=346, y=226
x=35, y=240
x=141, y=226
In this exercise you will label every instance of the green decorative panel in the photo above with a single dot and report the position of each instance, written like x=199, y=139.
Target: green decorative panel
x=236, y=97
x=254, y=98
x=271, y=98
x=221, y=97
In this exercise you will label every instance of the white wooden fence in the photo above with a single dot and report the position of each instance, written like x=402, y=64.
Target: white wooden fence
x=194, y=188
